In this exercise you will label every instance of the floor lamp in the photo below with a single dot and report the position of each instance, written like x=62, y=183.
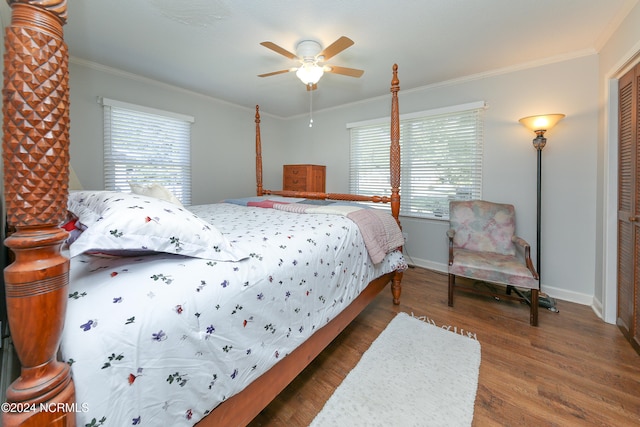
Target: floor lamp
x=539, y=125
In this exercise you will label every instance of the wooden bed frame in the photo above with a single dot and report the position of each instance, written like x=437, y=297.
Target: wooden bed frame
x=36, y=174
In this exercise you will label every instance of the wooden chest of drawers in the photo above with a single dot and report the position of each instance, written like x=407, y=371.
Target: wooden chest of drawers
x=303, y=178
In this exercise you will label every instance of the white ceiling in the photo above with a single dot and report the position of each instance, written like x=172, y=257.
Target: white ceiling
x=212, y=46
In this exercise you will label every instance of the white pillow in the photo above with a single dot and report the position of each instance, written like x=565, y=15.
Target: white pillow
x=154, y=190
x=130, y=224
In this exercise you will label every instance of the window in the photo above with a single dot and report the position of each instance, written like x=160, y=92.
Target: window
x=145, y=145
x=441, y=154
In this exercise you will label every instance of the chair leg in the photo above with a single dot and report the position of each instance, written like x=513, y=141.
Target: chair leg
x=534, y=308
x=452, y=283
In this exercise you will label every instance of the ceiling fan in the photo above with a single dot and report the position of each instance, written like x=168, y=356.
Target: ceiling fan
x=311, y=57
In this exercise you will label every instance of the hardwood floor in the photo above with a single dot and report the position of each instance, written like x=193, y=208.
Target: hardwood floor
x=572, y=370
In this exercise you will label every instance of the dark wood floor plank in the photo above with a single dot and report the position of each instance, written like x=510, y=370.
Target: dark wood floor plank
x=573, y=369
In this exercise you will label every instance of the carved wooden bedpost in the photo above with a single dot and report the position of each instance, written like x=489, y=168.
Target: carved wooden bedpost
x=36, y=172
x=394, y=156
x=394, y=164
x=258, y=154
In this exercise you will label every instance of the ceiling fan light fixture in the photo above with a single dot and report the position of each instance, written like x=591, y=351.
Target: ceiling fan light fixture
x=311, y=57
x=310, y=73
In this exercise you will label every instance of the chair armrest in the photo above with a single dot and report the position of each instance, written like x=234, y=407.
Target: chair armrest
x=450, y=233
x=519, y=241
x=526, y=248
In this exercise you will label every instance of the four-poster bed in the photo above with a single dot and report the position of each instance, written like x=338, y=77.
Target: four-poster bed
x=38, y=291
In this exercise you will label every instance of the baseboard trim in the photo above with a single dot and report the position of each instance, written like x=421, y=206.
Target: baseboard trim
x=557, y=293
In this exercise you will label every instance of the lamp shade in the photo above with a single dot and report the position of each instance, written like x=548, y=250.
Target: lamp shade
x=541, y=123
x=309, y=73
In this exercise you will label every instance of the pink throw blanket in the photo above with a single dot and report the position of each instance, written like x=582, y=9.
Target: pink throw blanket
x=380, y=230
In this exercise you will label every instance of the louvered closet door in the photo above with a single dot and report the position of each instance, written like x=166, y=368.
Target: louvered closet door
x=629, y=207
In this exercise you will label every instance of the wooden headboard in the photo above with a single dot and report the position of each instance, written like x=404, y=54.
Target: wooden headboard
x=394, y=163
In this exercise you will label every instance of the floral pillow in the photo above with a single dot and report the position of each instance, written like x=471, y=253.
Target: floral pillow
x=130, y=224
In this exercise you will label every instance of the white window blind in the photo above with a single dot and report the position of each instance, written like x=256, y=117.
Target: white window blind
x=441, y=161
x=145, y=146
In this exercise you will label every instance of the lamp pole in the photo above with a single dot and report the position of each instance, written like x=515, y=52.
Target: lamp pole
x=539, y=142
x=540, y=124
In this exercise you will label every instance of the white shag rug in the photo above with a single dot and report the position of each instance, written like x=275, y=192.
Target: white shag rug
x=414, y=374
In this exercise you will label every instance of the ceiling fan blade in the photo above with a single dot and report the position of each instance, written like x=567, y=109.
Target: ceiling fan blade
x=275, y=73
x=351, y=72
x=282, y=51
x=336, y=47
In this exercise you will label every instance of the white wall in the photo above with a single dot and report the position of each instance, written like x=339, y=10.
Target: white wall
x=569, y=161
x=223, y=135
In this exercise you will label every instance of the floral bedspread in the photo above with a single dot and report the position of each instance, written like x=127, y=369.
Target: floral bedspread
x=163, y=339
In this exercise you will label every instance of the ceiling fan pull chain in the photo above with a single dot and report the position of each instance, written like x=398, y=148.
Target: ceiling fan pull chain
x=310, y=107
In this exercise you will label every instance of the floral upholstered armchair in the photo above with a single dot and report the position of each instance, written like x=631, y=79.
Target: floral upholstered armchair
x=483, y=246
